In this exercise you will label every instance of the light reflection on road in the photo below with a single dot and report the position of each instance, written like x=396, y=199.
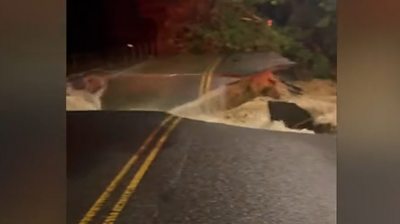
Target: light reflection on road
x=155, y=92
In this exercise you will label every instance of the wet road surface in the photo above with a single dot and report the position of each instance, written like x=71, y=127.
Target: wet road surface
x=204, y=173
x=155, y=92
x=161, y=84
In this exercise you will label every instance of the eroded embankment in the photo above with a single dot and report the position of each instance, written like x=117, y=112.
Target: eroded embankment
x=242, y=102
x=232, y=105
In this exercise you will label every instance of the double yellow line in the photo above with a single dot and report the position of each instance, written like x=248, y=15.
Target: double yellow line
x=130, y=189
x=88, y=217
x=171, y=122
x=206, y=78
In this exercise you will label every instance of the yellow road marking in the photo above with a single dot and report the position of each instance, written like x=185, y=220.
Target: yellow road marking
x=130, y=189
x=203, y=80
x=204, y=86
x=119, y=206
x=114, y=183
x=210, y=75
x=203, y=77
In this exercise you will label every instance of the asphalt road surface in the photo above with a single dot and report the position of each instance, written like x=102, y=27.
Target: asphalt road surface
x=204, y=173
x=161, y=84
x=155, y=92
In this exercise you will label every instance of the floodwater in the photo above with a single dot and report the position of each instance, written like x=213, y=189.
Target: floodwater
x=173, y=85
x=155, y=92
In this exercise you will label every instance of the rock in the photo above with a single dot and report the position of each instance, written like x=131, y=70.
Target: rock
x=295, y=117
x=292, y=115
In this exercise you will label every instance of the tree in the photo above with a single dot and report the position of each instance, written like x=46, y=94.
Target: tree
x=240, y=26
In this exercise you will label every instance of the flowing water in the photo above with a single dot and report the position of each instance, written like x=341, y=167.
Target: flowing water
x=179, y=95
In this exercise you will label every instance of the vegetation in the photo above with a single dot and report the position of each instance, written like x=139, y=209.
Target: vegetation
x=239, y=26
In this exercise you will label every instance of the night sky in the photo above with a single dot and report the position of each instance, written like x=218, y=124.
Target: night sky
x=90, y=22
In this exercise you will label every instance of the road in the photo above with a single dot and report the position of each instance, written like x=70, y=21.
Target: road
x=205, y=173
x=161, y=84
x=122, y=171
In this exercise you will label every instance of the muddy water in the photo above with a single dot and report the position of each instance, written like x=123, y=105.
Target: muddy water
x=179, y=95
x=154, y=92
x=209, y=104
x=319, y=100
x=212, y=108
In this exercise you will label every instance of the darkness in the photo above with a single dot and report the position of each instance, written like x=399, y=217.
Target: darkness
x=279, y=13
x=94, y=26
x=86, y=26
